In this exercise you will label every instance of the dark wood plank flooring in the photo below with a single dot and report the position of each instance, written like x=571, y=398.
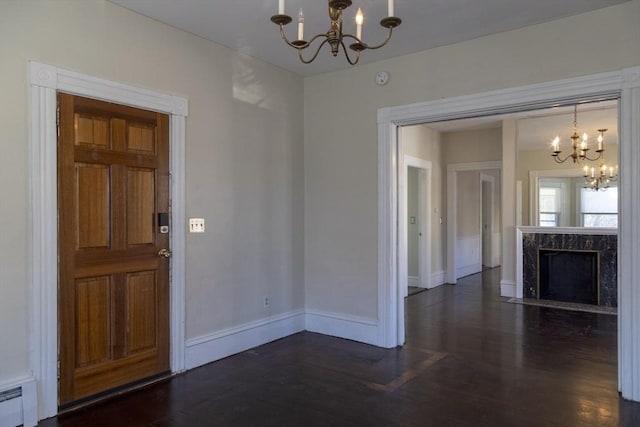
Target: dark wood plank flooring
x=471, y=359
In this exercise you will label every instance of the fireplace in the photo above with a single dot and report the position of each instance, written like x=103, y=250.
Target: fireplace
x=584, y=262
x=568, y=275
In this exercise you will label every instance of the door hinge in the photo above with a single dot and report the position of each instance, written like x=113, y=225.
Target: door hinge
x=58, y=369
x=58, y=120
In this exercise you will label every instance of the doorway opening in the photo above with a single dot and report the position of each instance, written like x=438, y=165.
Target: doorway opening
x=489, y=221
x=415, y=225
x=614, y=85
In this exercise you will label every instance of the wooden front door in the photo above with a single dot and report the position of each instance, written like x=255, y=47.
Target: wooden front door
x=113, y=303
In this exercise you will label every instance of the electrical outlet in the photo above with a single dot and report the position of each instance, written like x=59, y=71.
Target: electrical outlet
x=266, y=301
x=196, y=225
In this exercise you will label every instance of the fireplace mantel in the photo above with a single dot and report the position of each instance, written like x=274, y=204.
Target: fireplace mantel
x=592, y=231
x=603, y=240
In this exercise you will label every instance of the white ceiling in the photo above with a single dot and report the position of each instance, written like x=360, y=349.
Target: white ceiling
x=244, y=25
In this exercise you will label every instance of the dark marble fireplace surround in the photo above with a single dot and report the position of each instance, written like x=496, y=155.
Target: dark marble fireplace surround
x=605, y=244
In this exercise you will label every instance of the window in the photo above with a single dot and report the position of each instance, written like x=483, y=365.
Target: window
x=550, y=199
x=599, y=208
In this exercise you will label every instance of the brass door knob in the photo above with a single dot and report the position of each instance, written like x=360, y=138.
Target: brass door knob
x=164, y=253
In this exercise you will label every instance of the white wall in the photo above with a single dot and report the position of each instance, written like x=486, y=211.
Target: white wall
x=244, y=158
x=471, y=146
x=340, y=137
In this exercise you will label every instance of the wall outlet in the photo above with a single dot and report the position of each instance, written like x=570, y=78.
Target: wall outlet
x=196, y=225
x=265, y=301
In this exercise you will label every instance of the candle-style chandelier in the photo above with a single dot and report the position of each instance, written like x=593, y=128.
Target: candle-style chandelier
x=335, y=37
x=599, y=179
x=580, y=150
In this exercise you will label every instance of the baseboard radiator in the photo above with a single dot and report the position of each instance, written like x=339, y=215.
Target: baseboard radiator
x=18, y=404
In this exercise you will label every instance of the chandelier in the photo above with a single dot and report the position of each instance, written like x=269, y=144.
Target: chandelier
x=335, y=37
x=580, y=150
x=599, y=179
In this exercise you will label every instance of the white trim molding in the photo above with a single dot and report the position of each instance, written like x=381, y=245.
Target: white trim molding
x=343, y=326
x=218, y=345
x=507, y=288
x=44, y=83
x=390, y=326
x=622, y=84
x=438, y=278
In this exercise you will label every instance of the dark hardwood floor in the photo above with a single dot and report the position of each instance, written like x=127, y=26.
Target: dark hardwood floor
x=471, y=359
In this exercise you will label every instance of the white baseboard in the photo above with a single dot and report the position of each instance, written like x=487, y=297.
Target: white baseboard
x=468, y=270
x=507, y=288
x=343, y=326
x=21, y=409
x=209, y=348
x=438, y=278
x=414, y=281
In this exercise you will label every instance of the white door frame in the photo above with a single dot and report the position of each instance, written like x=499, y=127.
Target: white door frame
x=44, y=83
x=623, y=84
x=424, y=201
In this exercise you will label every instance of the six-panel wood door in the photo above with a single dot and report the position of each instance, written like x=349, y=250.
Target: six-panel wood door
x=113, y=180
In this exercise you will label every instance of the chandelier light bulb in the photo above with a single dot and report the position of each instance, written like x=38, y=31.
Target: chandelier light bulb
x=300, y=25
x=359, y=21
x=600, y=141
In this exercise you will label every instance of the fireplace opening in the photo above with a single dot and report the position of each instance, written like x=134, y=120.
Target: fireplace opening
x=569, y=276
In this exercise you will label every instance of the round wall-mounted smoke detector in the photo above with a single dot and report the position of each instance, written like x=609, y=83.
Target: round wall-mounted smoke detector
x=382, y=78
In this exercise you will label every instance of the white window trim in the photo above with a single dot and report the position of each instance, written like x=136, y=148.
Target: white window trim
x=44, y=83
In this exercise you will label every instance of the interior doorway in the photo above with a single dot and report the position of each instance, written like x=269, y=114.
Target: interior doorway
x=414, y=226
x=489, y=221
x=622, y=85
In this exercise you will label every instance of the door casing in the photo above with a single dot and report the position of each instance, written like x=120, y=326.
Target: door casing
x=44, y=83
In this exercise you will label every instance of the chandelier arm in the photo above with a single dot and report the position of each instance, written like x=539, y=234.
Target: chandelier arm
x=346, y=52
x=298, y=44
x=309, y=61
x=366, y=46
x=559, y=160
x=585, y=157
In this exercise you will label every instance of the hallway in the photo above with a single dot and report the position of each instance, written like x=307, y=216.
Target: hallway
x=471, y=359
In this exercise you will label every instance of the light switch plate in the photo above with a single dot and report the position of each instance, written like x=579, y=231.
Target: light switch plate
x=196, y=225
